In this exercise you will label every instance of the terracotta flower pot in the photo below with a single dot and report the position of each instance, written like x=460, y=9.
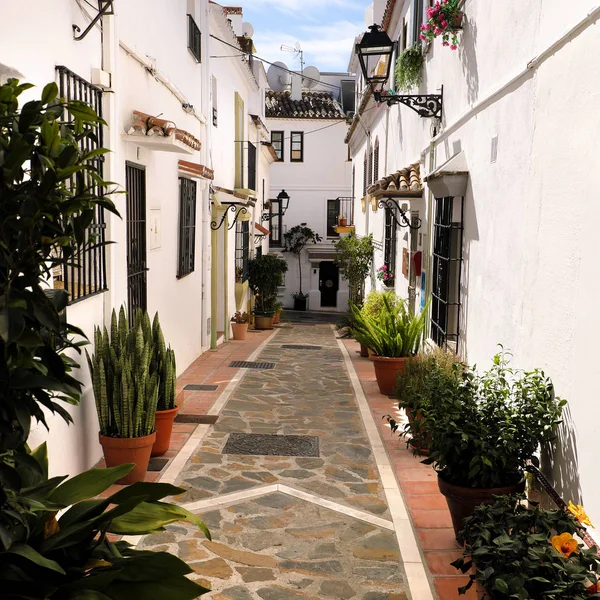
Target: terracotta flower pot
x=386, y=370
x=364, y=351
x=276, y=318
x=118, y=451
x=263, y=321
x=342, y=221
x=164, y=428
x=462, y=500
x=240, y=330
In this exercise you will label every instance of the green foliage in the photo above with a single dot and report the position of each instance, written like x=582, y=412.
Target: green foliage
x=354, y=257
x=133, y=375
x=409, y=68
x=510, y=545
x=373, y=304
x=296, y=239
x=393, y=333
x=264, y=275
x=484, y=428
x=49, y=190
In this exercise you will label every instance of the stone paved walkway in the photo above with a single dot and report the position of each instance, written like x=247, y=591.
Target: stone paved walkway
x=291, y=527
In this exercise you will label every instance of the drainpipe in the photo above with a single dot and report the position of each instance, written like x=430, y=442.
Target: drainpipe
x=214, y=234
x=429, y=237
x=226, y=278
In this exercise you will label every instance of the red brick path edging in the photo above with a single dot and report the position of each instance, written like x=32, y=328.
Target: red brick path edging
x=418, y=482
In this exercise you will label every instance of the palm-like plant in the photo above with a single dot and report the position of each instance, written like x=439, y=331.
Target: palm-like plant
x=392, y=333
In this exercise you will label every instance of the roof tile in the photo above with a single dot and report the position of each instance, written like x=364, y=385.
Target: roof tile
x=406, y=180
x=313, y=105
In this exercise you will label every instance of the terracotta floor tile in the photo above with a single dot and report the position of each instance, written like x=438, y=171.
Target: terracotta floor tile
x=413, y=474
x=427, y=502
x=419, y=487
x=447, y=588
x=439, y=561
x=437, y=539
x=430, y=519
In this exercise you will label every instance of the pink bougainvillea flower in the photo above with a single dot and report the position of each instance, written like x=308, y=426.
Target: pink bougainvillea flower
x=444, y=24
x=453, y=47
x=422, y=37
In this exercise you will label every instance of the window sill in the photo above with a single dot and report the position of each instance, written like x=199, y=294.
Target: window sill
x=185, y=275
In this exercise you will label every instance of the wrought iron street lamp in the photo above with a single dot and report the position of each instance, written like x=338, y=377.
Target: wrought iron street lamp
x=283, y=200
x=374, y=53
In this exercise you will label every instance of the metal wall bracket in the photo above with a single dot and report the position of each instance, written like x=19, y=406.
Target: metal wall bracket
x=236, y=208
x=105, y=7
x=391, y=205
x=259, y=237
x=425, y=105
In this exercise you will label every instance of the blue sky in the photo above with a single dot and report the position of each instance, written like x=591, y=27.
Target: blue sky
x=325, y=30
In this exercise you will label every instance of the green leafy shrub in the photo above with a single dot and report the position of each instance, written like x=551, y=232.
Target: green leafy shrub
x=409, y=68
x=512, y=548
x=354, y=257
x=393, y=333
x=264, y=276
x=484, y=428
x=373, y=304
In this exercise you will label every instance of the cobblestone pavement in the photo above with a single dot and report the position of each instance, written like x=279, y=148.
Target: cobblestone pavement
x=278, y=546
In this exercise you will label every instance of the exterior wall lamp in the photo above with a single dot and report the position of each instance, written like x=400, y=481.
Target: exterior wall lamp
x=374, y=53
x=283, y=199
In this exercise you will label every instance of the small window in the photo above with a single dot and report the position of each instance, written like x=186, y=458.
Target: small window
x=404, y=34
x=365, y=175
x=376, y=162
x=214, y=101
x=194, y=39
x=297, y=146
x=242, y=250
x=277, y=141
x=417, y=20
x=333, y=211
x=370, y=179
x=187, y=227
x=389, y=249
x=275, y=222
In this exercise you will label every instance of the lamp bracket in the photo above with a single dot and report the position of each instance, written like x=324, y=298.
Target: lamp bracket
x=425, y=105
x=105, y=7
x=391, y=205
x=234, y=207
x=259, y=237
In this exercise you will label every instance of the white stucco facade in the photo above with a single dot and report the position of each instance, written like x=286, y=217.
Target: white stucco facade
x=523, y=116
x=323, y=175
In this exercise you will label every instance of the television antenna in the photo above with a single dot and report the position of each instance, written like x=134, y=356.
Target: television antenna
x=297, y=50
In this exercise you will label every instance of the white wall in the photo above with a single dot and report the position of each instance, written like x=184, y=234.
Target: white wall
x=530, y=245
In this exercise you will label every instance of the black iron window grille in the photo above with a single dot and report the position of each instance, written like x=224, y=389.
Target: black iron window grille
x=446, y=275
x=297, y=146
x=194, y=39
x=376, y=162
x=365, y=175
x=242, y=250
x=251, y=166
x=187, y=227
x=275, y=222
x=85, y=273
x=333, y=211
x=389, y=246
x=370, y=172
x=277, y=141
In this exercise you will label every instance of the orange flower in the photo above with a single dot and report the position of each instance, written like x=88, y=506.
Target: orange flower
x=565, y=544
x=579, y=513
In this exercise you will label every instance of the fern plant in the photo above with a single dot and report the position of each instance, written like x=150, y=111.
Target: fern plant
x=133, y=375
x=409, y=68
x=393, y=333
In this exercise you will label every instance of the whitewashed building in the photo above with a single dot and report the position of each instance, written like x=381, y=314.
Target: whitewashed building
x=313, y=167
x=146, y=73
x=504, y=187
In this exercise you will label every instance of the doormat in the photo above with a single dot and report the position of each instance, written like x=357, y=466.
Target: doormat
x=200, y=387
x=272, y=445
x=198, y=419
x=247, y=364
x=301, y=347
x=157, y=464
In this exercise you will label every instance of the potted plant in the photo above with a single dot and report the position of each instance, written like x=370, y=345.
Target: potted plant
x=239, y=325
x=443, y=19
x=409, y=68
x=525, y=551
x=264, y=275
x=484, y=428
x=126, y=395
x=278, y=307
x=372, y=307
x=342, y=221
x=385, y=275
x=296, y=240
x=354, y=257
x=394, y=336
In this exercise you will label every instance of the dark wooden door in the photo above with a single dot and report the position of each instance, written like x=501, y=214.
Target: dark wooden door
x=136, y=238
x=329, y=283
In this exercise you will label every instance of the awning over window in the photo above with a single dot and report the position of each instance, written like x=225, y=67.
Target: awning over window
x=195, y=170
x=160, y=134
x=449, y=179
x=403, y=183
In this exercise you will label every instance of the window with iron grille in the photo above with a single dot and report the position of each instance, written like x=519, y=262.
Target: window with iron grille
x=365, y=175
x=187, y=227
x=333, y=211
x=297, y=146
x=251, y=166
x=85, y=273
x=277, y=141
x=447, y=267
x=376, y=161
x=242, y=250
x=417, y=20
x=275, y=222
x=194, y=39
x=370, y=173
x=389, y=241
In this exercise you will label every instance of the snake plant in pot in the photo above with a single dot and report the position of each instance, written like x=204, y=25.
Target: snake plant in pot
x=393, y=335
x=127, y=385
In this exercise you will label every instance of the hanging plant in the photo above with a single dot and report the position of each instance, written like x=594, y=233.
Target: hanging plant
x=444, y=20
x=409, y=68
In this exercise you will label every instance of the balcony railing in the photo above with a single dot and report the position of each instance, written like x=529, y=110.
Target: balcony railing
x=340, y=212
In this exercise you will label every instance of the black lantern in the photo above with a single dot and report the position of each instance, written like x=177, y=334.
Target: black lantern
x=374, y=52
x=277, y=206
x=284, y=201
